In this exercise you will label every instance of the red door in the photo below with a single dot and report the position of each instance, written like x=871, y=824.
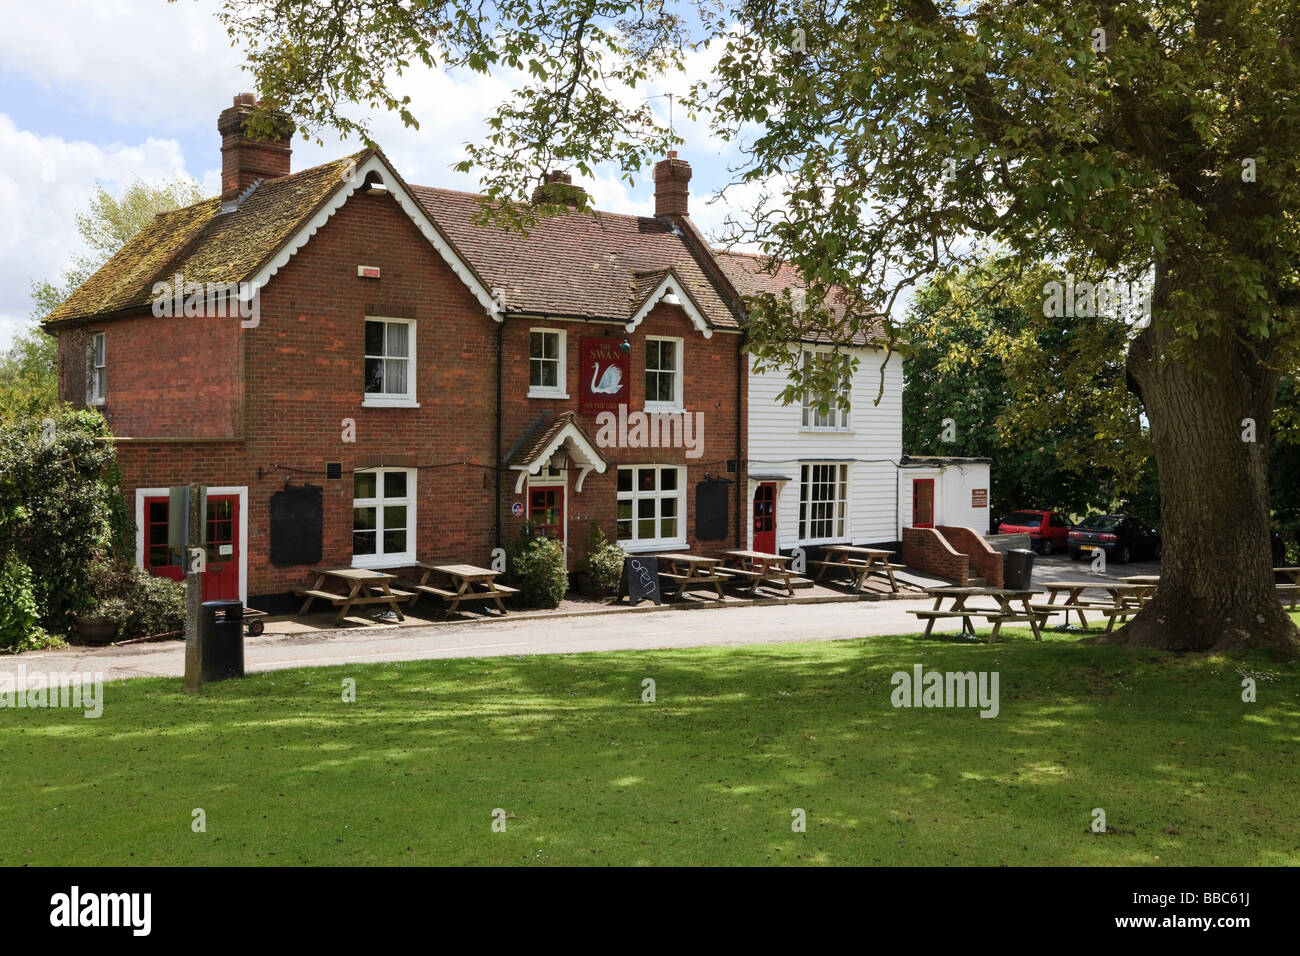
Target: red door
x=546, y=511
x=221, y=580
x=923, y=502
x=765, y=517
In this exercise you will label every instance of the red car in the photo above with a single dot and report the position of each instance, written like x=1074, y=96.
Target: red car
x=1048, y=530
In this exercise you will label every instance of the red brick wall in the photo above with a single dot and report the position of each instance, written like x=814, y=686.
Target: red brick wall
x=709, y=386
x=927, y=550
x=288, y=385
x=985, y=562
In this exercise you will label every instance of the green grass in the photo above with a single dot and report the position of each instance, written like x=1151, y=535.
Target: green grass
x=289, y=774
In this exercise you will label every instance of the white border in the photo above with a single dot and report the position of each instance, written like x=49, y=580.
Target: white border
x=353, y=178
x=671, y=285
x=240, y=490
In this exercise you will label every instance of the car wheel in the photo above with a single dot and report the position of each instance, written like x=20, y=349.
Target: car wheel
x=1046, y=547
x=1123, y=555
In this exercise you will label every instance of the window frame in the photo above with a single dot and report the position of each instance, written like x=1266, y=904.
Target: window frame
x=390, y=399
x=841, y=529
x=560, y=389
x=635, y=544
x=381, y=559
x=808, y=408
x=97, y=377
x=679, y=375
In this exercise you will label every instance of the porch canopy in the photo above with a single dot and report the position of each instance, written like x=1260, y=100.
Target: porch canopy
x=558, y=442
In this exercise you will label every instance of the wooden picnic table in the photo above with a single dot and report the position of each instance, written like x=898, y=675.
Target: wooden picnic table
x=365, y=587
x=1126, y=598
x=860, y=563
x=471, y=583
x=1141, y=579
x=756, y=567
x=689, y=571
x=1012, y=606
x=1292, y=573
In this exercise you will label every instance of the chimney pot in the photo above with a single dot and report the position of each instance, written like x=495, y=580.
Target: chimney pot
x=245, y=159
x=672, y=176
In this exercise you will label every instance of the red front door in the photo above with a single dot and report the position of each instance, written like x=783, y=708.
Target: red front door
x=546, y=511
x=221, y=580
x=923, y=502
x=765, y=517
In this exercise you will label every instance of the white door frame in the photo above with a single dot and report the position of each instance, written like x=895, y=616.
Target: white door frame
x=241, y=490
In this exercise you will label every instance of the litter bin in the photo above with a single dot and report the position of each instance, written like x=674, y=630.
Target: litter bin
x=221, y=624
x=1018, y=569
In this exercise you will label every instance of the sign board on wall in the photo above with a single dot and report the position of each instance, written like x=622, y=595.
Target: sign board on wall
x=603, y=375
x=979, y=498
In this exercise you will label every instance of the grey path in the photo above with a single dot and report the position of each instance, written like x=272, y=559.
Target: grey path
x=695, y=627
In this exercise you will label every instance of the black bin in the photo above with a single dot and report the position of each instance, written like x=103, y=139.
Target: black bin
x=221, y=624
x=1018, y=569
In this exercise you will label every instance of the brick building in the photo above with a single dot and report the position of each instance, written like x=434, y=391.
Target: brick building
x=363, y=375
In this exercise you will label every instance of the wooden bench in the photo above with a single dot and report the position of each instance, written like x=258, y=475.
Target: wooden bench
x=1289, y=592
x=995, y=616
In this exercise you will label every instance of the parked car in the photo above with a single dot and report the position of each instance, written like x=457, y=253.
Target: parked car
x=1047, y=530
x=1122, y=537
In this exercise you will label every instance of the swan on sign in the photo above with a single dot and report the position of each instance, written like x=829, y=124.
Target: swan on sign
x=610, y=383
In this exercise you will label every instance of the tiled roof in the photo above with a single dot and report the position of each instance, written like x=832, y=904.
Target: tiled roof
x=751, y=274
x=540, y=437
x=203, y=245
x=578, y=263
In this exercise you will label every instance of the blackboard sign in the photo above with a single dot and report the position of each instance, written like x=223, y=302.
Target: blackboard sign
x=712, y=512
x=641, y=579
x=296, y=523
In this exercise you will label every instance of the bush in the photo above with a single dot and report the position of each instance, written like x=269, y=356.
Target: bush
x=20, y=629
x=536, y=567
x=604, y=562
x=61, y=504
x=140, y=604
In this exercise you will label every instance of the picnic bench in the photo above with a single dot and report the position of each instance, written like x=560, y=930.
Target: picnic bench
x=365, y=587
x=1289, y=592
x=858, y=563
x=687, y=572
x=753, y=568
x=1012, y=607
x=470, y=583
x=1126, y=598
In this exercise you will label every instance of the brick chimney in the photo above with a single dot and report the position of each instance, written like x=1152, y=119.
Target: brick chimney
x=244, y=160
x=671, y=177
x=557, y=187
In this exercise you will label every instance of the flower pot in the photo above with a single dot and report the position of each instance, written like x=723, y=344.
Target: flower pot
x=95, y=630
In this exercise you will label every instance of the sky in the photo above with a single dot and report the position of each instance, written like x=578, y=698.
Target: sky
x=101, y=93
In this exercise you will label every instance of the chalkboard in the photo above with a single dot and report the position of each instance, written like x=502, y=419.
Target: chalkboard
x=712, y=513
x=296, y=524
x=641, y=579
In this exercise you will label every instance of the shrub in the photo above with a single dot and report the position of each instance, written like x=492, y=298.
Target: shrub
x=20, y=629
x=536, y=567
x=61, y=504
x=604, y=561
x=140, y=604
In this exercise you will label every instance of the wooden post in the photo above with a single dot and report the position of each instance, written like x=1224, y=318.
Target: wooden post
x=193, y=592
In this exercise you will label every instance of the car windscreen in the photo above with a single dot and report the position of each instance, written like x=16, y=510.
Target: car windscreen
x=1101, y=523
x=1024, y=519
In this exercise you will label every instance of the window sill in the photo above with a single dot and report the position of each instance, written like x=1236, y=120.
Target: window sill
x=371, y=563
x=538, y=393
x=650, y=547
x=663, y=408
x=811, y=430
x=389, y=403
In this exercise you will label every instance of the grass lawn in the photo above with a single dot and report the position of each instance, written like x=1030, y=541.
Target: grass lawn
x=411, y=772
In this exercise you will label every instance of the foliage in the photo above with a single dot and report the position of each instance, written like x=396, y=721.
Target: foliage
x=535, y=565
x=1044, y=398
x=57, y=501
x=603, y=561
x=29, y=385
x=139, y=603
x=20, y=628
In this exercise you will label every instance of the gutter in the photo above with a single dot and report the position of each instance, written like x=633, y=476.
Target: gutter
x=501, y=326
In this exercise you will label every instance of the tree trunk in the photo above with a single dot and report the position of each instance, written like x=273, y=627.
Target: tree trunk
x=1216, y=588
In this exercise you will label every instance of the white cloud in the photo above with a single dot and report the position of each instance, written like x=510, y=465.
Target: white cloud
x=44, y=182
